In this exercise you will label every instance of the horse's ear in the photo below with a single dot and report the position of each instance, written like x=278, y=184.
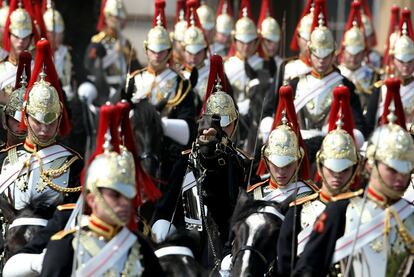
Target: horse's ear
x=194, y=77
x=271, y=66
x=242, y=199
x=249, y=70
x=161, y=105
x=8, y=210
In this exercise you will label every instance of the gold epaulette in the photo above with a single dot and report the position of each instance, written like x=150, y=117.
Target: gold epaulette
x=98, y=37
x=347, y=195
x=61, y=234
x=304, y=199
x=135, y=73
x=68, y=206
x=8, y=148
x=186, y=152
x=379, y=83
x=253, y=187
x=245, y=154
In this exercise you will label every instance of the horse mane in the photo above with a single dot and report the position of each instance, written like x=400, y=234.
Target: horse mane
x=247, y=205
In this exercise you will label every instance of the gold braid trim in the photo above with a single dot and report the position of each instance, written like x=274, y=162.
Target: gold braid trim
x=47, y=175
x=406, y=237
x=179, y=97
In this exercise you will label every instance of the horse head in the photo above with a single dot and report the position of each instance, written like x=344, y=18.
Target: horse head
x=176, y=255
x=255, y=229
x=22, y=225
x=147, y=127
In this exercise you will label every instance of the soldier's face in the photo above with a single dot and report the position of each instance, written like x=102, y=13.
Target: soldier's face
x=222, y=38
x=271, y=47
x=352, y=62
x=282, y=175
x=43, y=132
x=336, y=181
x=246, y=49
x=119, y=204
x=195, y=60
x=18, y=45
x=115, y=23
x=321, y=65
x=405, y=69
x=393, y=179
x=157, y=60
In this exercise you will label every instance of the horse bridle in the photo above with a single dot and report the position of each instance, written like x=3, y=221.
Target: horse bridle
x=269, y=265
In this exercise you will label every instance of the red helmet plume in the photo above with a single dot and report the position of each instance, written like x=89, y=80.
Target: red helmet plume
x=393, y=96
x=294, y=46
x=216, y=72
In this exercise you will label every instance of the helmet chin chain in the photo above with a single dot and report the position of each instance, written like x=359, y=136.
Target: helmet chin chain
x=110, y=212
x=293, y=177
x=36, y=140
x=384, y=188
x=344, y=188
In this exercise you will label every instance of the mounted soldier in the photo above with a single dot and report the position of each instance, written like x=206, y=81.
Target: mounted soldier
x=55, y=27
x=313, y=91
x=41, y=166
x=338, y=164
x=108, y=244
x=167, y=90
x=12, y=116
x=18, y=35
x=196, y=64
x=204, y=188
x=370, y=235
x=224, y=28
x=352, y=54
x=177, y=35
x=284, y=158
x=118, y=56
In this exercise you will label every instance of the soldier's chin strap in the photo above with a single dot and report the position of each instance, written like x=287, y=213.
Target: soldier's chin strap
x=110, y=212
x=385, y=190
x=345, y=187
x=36, y=140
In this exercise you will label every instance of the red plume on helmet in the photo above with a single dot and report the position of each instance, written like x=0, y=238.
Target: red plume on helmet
x=341, y=109
x=12, y=7
x=159, y=11
x=225, y=6
x=245, y=4
x=406, y=18
x=180, y=6
x=394, y=24
x=354, y=16
x=44, y=61
x=320, y=9
x=25, y=61
x=38, y=18
x=216, y=73
x=143, y=182
x=367, y=12
x=265, y=11
x=294, y=46
x=101, y=20
x=286, y=106
x=393, y=97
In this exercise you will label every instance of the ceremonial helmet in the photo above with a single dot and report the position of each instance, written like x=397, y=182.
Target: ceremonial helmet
x=53, y=20
x=321, y=42
x=404, y=44
x=14, y=105
x=268, y=26
x=392, y=36
x=44, y=99
x=354, y=40
x=390, y=143
x=285, y=144
x=219, y=101
x=207, y=16
x=158, y=39
x=338, y=150
x=115, y=8
x=115, y=162
x=180, y=23
x=304, y=26
x=245, y=30
x=20, y=21
x=4, y=11
x=194, y=39
x=366, y=18
x=224, y=21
